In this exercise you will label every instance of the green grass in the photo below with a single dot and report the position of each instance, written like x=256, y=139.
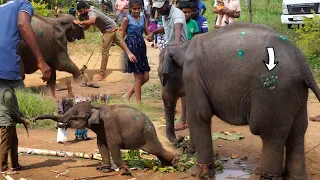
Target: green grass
x=151, y=110
x=34, y=104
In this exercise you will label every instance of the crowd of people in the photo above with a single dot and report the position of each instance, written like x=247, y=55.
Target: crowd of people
x=164, y=22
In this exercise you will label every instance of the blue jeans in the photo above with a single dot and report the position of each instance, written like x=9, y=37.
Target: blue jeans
x=81, y=133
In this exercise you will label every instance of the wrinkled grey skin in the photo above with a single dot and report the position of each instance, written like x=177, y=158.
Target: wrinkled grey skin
x=52, y=35
x=218, y=81
x=117, y=127
x=170, y=94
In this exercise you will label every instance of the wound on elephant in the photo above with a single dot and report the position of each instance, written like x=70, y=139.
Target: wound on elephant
x=268, y=81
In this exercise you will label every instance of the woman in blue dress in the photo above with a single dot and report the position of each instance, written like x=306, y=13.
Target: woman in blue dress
x=133, y=26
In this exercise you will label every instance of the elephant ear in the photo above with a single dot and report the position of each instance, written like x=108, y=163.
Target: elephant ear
x=78, y=32
x=94, y=118
x=166, y=68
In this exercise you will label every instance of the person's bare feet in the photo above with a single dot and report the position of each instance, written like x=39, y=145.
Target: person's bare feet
x=126, y=97
x=9, y=172
x=316, y=118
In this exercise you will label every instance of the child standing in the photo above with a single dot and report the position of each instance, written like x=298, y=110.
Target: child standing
x=220, y=16
x=133, y=27
x=192, y=26
x=201, y=20
x=81, y=134
x=153, y=25
x=160, y=36
x=63, y=106
x=122, y=10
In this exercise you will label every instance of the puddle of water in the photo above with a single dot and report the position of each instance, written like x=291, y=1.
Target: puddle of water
x=233, y=174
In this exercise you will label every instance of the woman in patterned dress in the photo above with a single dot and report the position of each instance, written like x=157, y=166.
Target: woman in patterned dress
x=133, y=26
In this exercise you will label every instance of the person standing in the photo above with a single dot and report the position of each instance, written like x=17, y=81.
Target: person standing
x=63, y=106
x=201, y=20
x=108, y=27
x=16, y=24
x=73, y=11
x=122, y=10
x=173, y=23
x=192, y=26
x=133, y=27
x=175, y=33
x=230, y=11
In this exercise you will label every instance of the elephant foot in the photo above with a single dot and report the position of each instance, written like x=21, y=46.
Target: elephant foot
x=267, y=176
x=175, y=161
x=124, y=171
x=203, y=171
x=177, y=142
x=104, y=168
x=189, y=151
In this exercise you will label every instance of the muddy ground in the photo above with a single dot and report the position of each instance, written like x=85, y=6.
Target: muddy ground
x=39, y=167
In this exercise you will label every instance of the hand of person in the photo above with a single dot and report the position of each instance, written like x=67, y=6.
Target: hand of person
x=150, y=37
x=45, y=69
x=77, y=22
x=132, y=58
x=25, y=123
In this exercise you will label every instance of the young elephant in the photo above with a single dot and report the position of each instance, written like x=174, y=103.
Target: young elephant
x=117, y=127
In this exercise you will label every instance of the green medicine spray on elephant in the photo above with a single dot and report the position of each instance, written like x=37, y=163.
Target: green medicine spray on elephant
x=231, y=73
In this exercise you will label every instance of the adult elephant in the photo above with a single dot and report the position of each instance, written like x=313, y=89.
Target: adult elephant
x=52, y=35
x=230, y=73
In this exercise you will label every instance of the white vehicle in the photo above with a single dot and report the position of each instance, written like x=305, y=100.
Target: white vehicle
x=293, y=11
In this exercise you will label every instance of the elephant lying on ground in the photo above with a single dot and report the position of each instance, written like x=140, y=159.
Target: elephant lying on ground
x=225, y=74
x=117, y=127
x=52, y=35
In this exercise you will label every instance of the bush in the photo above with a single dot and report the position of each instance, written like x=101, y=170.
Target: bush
x=309, y=37
x=40, y=7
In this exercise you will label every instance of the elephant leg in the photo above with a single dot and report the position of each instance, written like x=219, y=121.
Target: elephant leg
x=116, y=156
x=199, y=121
x=153, y=146
x=295, y=168
x=52, y=82
x=104, y=151
x=273, y=129
x=169, y=107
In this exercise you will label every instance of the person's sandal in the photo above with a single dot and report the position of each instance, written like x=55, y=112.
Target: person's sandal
x=93, y=85
x=9, y=172
x=19, y=168
x=180, y=127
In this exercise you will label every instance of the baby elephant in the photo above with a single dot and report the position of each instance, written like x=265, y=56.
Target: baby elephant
x=117, y=127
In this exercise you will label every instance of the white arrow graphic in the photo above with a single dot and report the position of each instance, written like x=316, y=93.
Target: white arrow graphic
x=271, y=64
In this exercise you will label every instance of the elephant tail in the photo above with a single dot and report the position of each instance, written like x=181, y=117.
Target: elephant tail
x=308, y=77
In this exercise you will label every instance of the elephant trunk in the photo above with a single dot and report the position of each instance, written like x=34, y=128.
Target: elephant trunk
x=52, y=117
